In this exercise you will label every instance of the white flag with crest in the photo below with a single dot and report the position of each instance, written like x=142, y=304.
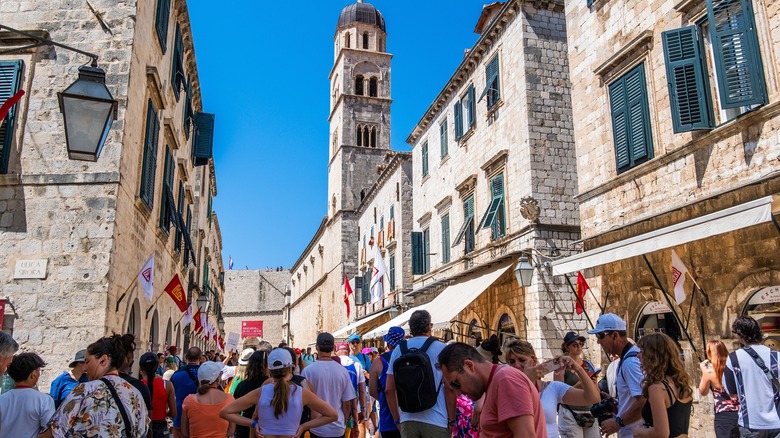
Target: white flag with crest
x=376, y=277
x=146, y=278
x=678, y=277
x=189, y=315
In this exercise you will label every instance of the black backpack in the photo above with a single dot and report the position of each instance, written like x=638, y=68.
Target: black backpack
x=414, y=379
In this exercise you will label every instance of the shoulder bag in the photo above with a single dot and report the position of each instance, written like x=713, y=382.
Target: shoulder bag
x=125, y=418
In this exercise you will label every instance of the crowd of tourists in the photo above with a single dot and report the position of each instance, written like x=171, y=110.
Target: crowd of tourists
x=415, y=387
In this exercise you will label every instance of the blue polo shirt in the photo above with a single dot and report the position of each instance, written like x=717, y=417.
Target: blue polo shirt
x=63, y=385
x=184, y=385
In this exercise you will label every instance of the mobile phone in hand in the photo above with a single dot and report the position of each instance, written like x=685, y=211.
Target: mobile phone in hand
x=550, y=365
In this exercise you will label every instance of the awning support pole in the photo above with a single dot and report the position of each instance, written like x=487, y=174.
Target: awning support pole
x=579, y=301
x=690, y=307
x=671, y=307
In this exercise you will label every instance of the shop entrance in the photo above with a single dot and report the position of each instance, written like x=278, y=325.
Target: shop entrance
x=506, y=328
x=657, y=317
x=764, y=307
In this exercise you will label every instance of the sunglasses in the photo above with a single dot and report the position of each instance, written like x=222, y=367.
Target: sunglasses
x=354, y=342
x=576, y=344
x=454, y=384
x=603, y=335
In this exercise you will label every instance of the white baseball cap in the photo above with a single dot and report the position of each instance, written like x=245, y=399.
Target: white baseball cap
x=608, y=322
x=279, y=358
x=210, y=371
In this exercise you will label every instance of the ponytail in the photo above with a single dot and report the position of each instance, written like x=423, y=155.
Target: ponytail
x=281, y=398
x=118, y=348
x=204, y=387
x=151, y=372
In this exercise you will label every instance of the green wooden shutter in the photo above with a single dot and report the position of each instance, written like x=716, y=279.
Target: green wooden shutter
x=443, y=138
x=10, y=82
x=499, y=222
x=426, y=249
x=737, y=55
x=161, y=22
x=177, y=63
x=203, y=140
x=458, y=120
x=418, y=263
x=492, y=85
x=188, y=250
x=187, y=122
x=472, y=105
x=496, y=201
x=688, y=90
x=630, y=119
x=166, y=206
x=179, y=215
x=425, y=159
x=445, y=238
x=149, y=166
x=391, y=270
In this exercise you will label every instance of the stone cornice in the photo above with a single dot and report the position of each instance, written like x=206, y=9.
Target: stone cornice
x=320, y=231
x=384, y=176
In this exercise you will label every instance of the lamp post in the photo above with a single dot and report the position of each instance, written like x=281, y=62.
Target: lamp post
x=203, y=301
x=221, y=323
x=87, y=107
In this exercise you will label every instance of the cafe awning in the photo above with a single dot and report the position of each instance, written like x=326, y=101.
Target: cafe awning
x=445, y=307
x=347, y=329
x=399, y=321
x=730, y=219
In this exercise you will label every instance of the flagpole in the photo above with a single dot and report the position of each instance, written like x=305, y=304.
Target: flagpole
x=590, y=323
x=152, y=305
x=122, y=295
x=671, y=306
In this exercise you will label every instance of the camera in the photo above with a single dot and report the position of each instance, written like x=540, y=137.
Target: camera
x=605, y=409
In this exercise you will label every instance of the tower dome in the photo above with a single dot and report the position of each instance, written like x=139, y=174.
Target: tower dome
x=361, y=13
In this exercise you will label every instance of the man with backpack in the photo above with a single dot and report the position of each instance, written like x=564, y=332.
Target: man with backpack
x=610, y=333
x=358, y=380
x=185, y=382
x=357, y=355
x=419, y=401
x=378, y=383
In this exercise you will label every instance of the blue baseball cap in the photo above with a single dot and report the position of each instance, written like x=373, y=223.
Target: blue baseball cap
x=353, y=337
x=394, y=336
x=608, y=322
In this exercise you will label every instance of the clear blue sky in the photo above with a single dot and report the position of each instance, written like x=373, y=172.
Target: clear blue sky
x=263, y=68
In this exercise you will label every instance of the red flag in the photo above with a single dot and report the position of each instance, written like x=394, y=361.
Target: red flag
x=196, y=319
x=582, y=287
x=176, y=292
x=347, y=293
x=8, y=104
x=221, y=343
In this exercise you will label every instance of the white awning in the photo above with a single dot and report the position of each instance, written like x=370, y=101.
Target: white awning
x=731, y=219
x=349, y=327
x=399, y=321
x=456, y=297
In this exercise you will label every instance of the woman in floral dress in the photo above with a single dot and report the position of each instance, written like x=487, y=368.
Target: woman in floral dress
x=92, y=409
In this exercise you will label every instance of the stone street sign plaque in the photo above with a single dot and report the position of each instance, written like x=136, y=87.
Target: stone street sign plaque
x=30, y=268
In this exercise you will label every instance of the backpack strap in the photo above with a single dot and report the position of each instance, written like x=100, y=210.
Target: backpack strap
x=189, y=373
x=404, y=347
x=121, y=406
x=762, y=365
x=427, y=344
x=628, y=355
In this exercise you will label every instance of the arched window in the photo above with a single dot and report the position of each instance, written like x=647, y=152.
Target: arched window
x=346, y=40
x=372, y=87
x=505, y=328
x=475, y=332
x=365, y=40
x=373, y=137
x=359, y=85
x=359, y=135
x=365, y=136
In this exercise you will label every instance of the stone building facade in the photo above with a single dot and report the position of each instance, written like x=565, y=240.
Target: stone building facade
x=359, y=142
x=676, y=134
x=495, y=178
x=384, y=220
x=94, y=224
x=256, y=295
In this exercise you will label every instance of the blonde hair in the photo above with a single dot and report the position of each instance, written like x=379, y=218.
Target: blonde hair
x=661, y=360
x=517, y=347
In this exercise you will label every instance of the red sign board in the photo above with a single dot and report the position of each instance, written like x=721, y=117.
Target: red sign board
x=251, y=329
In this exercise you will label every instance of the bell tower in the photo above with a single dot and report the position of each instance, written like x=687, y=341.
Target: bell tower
x=359, y=105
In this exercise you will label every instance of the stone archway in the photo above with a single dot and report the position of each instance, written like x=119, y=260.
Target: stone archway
x=154, y=332
x=133, y=322
x=742, y=292
x=505, y=317
x=169, y=333
x=474, y=332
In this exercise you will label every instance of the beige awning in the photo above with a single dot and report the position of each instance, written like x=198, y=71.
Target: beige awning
x=733, y=218
x=347, y=329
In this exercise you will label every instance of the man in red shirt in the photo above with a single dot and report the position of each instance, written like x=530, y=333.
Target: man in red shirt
x=511, y=407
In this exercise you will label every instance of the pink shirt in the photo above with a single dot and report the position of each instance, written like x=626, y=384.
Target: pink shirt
x=510, y=394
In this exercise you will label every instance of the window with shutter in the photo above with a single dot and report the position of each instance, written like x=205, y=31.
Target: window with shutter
x=738, y=63
x=418, y=263
x=161, y=22
x=203, y=140
x=188, y=250
x=494, y=217
x=149, y=166
x=471, y=106
x=179, y=214
x=443, y=138
x=630, y=119
x=445, y=238
x=426, y=249
x=424, y=159
x=466, y=232
x=167, y=206
x=177, y=63
x=10, y=83
x=688, y=90
x=391, y=273
x=187, y=122
x=458, y=121
x=492, y=83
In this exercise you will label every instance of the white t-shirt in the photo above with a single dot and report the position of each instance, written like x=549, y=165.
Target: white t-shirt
x=361, y=378
x=437, y=415
x=331, y=383
x=756, y=395
x=24, y=413
x=552, y=395
x=611, y=376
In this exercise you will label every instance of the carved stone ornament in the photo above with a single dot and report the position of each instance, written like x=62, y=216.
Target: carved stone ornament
x=529, y=208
